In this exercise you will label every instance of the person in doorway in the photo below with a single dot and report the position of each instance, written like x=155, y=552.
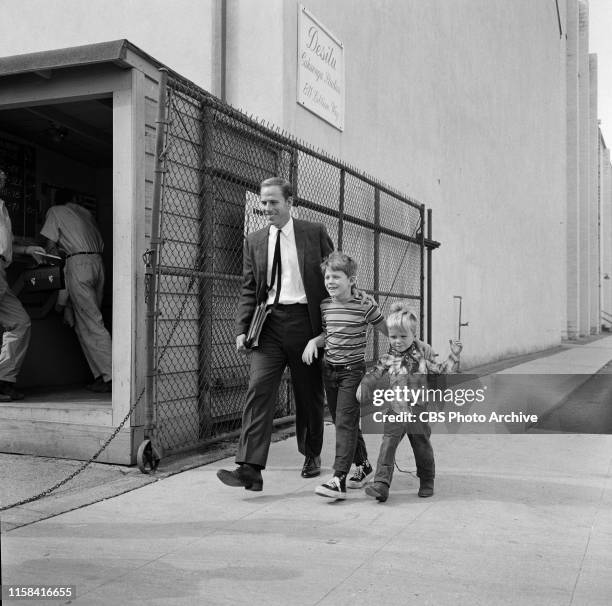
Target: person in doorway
x=295, y=318
x=70, y=229
x=14, y=319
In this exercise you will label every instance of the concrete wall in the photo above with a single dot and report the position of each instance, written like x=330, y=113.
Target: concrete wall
x=594, y=239
x=572, y=174
x=179, y=33
x=586, y=230
x=584, y=324
x=606, y=227
x=461, y=105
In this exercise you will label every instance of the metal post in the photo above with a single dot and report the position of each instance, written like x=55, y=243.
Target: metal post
x=152, y=265
x=429, y=275
x=460, y=323
x=223, y=86
x=422, y=276
x=341, y=208
x=293, y=173
x=205, y=286
x=376, y=259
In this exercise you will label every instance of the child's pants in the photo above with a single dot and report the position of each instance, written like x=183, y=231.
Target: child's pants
x=418, y=433
x=340, y=388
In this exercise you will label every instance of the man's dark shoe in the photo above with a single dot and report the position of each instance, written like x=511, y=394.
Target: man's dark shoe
x=244, y=475
x=7, y=390
x=426, y=488
x=312, y=467
x=378, y=490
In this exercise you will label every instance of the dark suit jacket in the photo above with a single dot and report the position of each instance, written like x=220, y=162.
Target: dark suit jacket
x=313, y=245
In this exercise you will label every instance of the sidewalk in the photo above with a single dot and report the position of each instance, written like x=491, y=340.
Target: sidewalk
x=516, y=519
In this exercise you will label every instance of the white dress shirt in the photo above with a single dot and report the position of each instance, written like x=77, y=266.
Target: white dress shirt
x=292, y=286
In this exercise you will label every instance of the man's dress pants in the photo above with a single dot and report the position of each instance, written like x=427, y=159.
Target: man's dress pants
x=285, y=334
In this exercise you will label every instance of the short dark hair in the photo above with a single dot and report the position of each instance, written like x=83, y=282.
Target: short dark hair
x=338, y=261
x=63, y=196
x=285, y=186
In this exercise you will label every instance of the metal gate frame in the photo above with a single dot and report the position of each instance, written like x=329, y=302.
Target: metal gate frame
x=209, y=162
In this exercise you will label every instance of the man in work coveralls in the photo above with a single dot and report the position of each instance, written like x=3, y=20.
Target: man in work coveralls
x=13, y=317
x=70, y=228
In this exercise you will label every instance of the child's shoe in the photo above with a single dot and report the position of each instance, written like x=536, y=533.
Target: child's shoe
x=334, y=488
x=378, y=490
x=361, y=475
x=426, y=488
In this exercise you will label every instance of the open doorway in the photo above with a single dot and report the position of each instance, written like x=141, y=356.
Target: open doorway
x=44, y=148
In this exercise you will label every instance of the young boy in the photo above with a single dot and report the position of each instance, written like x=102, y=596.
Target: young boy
x=345, y=319
x=406, y=362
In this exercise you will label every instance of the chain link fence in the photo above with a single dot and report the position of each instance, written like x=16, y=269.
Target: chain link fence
x=211, y=163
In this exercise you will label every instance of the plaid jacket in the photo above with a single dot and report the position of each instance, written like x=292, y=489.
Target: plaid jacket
x=409, y=368
x=419, y=358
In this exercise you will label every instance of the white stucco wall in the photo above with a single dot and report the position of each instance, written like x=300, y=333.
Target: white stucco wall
x=606, y=227
x=179, y=33
x=573, y=171
x=594, y=242
x=585, y=155
x=460, y=105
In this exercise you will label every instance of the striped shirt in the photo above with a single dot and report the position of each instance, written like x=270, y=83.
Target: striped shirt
x=345, y=325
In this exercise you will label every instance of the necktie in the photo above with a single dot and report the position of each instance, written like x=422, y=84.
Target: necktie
x=276, y=268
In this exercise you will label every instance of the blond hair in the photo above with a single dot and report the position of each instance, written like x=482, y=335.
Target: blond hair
x=402, y=317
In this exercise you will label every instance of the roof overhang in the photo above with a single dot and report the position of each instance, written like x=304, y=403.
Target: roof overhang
x=121, y=53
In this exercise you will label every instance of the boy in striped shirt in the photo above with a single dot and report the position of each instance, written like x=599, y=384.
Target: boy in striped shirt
x=345, y=321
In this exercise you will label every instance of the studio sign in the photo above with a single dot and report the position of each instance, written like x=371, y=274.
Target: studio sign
x=320, y=78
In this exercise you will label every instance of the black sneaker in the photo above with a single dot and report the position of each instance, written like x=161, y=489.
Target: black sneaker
x=361, y=475
x=334, y=488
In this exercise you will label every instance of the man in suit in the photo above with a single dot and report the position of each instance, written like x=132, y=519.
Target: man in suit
x=295, y=318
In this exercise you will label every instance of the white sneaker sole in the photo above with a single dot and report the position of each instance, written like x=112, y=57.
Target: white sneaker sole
x=352, y=484
x=328, y=492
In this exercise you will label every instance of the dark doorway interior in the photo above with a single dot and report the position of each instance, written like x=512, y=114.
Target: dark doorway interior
x=44, y=148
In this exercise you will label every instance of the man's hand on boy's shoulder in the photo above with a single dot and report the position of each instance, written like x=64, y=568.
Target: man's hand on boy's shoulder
x=364, y=297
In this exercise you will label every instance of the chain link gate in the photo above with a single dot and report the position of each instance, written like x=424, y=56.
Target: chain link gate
x=210, y=160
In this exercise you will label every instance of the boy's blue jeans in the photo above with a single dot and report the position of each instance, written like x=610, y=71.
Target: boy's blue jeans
x=418, y=433
x=341, y=388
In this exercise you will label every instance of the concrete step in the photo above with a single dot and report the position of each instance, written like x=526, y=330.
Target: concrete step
x=62, y=407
